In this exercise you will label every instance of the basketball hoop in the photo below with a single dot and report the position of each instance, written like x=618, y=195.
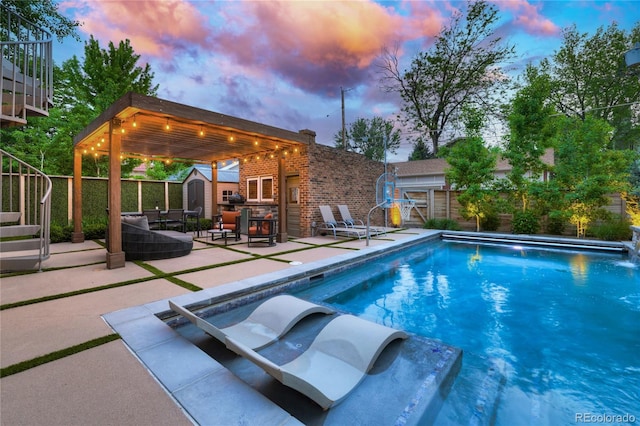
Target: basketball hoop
x=405, y=208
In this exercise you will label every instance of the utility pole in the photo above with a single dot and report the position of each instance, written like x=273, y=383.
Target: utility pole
x=344, y=142
x=344, y=132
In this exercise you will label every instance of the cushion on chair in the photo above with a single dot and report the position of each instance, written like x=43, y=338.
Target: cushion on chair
x=139, y=221
x=253, y=230
x=265, y=225
x=229, y=219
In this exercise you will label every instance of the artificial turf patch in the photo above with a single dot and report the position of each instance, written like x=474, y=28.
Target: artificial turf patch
x=53, y=356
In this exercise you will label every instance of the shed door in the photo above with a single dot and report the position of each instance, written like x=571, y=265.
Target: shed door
x=293, y=206
x=195, y=194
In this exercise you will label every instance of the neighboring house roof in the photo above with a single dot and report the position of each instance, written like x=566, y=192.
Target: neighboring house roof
x=437, y=166
x=226, y=173
x=140, y=170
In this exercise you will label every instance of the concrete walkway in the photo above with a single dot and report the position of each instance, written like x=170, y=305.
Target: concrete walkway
x=63, y=306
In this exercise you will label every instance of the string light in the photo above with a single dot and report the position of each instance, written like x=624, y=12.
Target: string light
x=167, y=127
x=134, y=124
x=201, y=131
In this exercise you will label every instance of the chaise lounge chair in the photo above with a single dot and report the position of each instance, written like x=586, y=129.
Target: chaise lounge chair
x=357, y=223
x=266, y=324
x=332, y=225
x=336, y=362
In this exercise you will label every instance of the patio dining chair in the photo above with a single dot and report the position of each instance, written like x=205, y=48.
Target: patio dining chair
x=153, y=217
x=175, y=219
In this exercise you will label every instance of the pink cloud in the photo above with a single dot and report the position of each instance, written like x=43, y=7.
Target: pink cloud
x=155, y=28
x=320, y=44
x=528, y=17
x=315, y=45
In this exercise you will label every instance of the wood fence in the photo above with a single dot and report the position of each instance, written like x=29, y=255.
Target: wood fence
x=443, y=204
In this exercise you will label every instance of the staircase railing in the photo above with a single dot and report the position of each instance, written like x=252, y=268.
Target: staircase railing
x=27, y=68
x=29, y=192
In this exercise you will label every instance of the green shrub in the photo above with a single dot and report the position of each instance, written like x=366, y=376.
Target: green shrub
x=525, y=223
x=59, y=233
x=556, y=224
x=447, y=224
x=490, y=222
x=95, y=229
x=615, y=229
x=204, y=225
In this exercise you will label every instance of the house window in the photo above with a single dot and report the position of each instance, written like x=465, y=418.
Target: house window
x=260, y=189
x=225, y=194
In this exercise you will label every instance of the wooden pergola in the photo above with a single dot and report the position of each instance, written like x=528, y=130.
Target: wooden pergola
x=148, y=128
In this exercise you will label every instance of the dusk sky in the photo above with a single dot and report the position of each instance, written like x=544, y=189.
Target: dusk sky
x=283, y=63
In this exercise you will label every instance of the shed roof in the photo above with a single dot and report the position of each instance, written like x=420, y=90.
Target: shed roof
x=224, y=175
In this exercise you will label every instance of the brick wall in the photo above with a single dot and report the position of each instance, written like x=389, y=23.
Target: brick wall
x=341, y=177
x=328, y=176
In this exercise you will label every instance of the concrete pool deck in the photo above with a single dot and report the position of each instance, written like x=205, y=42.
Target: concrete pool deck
x=63, y=307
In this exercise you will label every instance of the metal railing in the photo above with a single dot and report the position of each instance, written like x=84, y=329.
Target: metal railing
x=27, y=68
x=29, y=192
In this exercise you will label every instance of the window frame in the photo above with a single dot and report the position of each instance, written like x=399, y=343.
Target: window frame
x=259, y=182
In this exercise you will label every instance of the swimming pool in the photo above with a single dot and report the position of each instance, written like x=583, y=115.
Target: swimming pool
x=549, y=336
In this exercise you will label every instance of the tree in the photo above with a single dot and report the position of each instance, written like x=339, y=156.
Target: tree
x=472, y=169
x=587, y=171
x=632, y=195
x=107, y=74
x=420, y=151
x=44, y=14
x=83, y=91
x=368, y=137
x=591, y=79
x=531, y=127
x=461, y=68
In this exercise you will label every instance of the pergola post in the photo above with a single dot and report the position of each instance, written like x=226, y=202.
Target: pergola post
x=77, y=236
x=282, y=236
x=115, y=255
x=214, y=190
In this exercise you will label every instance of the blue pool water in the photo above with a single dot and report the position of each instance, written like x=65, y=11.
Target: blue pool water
x=547, y=335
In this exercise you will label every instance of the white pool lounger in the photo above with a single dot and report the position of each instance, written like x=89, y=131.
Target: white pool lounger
x=266, y=324
x=335, y=363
